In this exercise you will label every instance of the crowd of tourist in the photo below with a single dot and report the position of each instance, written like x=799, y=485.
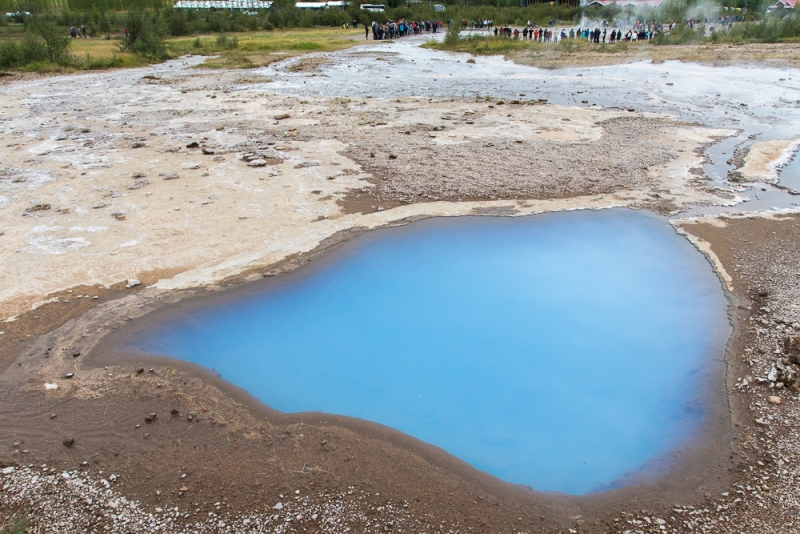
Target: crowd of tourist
x=393, y=29
x=547, y=35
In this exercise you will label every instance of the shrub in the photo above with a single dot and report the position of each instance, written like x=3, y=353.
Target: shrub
x=145, y=35
x=56, y=44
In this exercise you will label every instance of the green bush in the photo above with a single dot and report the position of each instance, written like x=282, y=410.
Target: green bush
x=56, y=43
x=225, y=43
x=145, y=35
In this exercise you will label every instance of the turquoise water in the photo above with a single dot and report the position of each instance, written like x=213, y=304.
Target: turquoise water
x=558, y=351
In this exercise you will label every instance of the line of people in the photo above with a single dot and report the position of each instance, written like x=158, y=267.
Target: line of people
x=393, y=29
x=546, y=35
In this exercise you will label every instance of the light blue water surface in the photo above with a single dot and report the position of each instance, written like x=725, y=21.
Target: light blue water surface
x=559, y=351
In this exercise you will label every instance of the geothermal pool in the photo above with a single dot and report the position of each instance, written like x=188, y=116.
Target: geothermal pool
x=560, y=351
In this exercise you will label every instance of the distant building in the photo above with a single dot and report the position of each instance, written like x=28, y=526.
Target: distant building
x=239, y=5
x=622, y=3
x=438, y=8
x=377, y=8
x=321, y=5
x=783, y=4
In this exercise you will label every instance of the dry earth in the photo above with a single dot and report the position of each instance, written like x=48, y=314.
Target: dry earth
x=189, y=182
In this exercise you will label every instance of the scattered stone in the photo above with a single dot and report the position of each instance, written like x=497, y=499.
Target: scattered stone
x=278, y=506
x=149, y=418
x=257, y=163
x=392, y=156
x=53, y=416
x=68, y=442
x=69, y=375
x=132, y=282
x=193, y=144
x=118, y=215
x=98, y=206
x=138, y=184
x=140, y=370
x=138, y=144
x=774, y=400
x=207, y=151
x=171, y=176
x=137, y=175
x=281, y=116
x=76, y=354
x=38, y=207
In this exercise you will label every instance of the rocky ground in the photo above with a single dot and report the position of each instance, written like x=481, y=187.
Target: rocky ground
x=123, y=192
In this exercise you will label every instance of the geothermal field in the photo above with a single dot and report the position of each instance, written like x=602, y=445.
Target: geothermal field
x=398, y=289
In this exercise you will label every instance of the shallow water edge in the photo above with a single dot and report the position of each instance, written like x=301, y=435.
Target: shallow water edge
x=691, y=469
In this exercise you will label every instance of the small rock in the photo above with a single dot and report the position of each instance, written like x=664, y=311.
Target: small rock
x=184, y=488
x=76, y=354
x=140, y=370
x=138, y=144
x=281, y=116
x=98, y=206
x=774, y=400
x=207, y=151
x=171, y=176
x=137, y=175
x=193, y=144
x=69, y=375
x=278, y=506
x=138, y=184
x=52, y=416
x=174, y=412
x=257, y=163
x=150, y=418
x=132, y=282
x=68, y=442
x=392, y=156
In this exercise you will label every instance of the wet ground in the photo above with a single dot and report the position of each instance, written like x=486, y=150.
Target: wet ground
x=762, y=103
x=124, y=192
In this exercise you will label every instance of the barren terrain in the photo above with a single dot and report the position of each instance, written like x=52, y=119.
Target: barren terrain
x=124, y=192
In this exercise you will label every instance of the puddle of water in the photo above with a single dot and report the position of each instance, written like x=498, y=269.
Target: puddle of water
x=560, y=351
x=790, y=175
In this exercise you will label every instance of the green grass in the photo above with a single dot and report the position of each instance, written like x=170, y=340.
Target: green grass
x=237, y=51
x=257, y=49
x=480, y=45
x=17, y=524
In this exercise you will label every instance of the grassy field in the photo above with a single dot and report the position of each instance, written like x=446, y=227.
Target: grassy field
x=235, y=50
x=257, y=49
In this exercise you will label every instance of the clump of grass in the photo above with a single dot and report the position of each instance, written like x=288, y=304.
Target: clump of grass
x=17, y=524
x=480, y=45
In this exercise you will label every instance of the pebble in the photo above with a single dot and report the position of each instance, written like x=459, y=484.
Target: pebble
x=774, y=400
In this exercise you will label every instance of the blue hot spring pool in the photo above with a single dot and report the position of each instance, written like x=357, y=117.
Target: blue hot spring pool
x=560, y=351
